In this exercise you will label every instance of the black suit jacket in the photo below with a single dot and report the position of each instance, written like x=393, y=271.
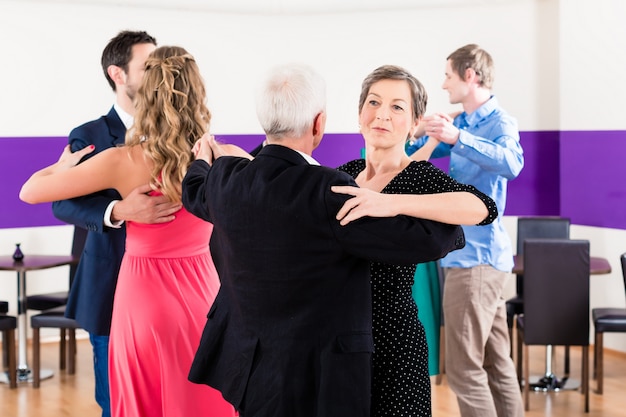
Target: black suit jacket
x=290, y=331
x=91, y=295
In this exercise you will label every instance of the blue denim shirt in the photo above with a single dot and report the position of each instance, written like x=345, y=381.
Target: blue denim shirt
x=487, y=155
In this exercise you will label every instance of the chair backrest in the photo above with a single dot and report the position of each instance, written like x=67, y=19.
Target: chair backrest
x=541, y=227
x=623, y=259
x=556, y=298
x=78, y=244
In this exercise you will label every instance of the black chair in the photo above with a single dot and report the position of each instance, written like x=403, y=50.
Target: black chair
x=556, y=301
x=42, y=302
x=8, y=324
x=533, y=228
x=52, y=307
x=54, y=318
x=528, y=228
x=4, y=309
x=606, y=320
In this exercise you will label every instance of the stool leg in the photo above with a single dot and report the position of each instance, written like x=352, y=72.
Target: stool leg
x=11, y=357
x=585, y=382
x=36, y=358
x=62, y=350
x=71, y=360
x=600, y=362
x=520, y=356
x=5, y=352
x=595, y=355
x=526, y=378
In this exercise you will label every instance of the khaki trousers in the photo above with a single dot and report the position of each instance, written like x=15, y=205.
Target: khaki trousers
x=479, y=367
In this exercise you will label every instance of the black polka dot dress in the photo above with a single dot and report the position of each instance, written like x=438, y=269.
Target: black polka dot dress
x=401, y=383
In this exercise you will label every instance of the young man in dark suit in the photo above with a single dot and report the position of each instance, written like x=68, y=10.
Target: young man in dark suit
x=102, y=214
x=290, y=332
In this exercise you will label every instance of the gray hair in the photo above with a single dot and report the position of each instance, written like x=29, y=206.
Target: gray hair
x=419, y=98
x=290, y=98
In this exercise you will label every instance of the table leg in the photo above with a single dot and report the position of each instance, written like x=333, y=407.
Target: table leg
x=23, y=372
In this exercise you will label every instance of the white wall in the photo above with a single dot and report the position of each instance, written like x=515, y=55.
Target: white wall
x=593, y=63
x=559, y=65
x=52, y=54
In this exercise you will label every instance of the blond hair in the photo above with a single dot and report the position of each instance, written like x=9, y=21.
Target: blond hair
x=171, y=115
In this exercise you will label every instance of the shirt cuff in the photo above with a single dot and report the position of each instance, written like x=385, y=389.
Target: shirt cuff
x=107, y=216
x=463, y=141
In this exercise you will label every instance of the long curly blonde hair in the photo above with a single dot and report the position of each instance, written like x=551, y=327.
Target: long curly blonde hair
x=171, y=115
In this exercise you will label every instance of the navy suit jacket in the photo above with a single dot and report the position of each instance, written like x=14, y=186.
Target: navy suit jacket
x=290, y=332
x=91, y=294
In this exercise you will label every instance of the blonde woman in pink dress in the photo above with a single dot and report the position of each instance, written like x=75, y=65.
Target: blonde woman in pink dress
x=167, y=280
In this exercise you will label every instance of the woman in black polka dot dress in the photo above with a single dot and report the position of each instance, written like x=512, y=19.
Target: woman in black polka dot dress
x=391, y=105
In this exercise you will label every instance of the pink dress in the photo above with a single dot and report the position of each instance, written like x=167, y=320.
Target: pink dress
x=166, y=285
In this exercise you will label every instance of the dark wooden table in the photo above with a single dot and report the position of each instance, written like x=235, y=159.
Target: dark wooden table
x=597, y=265
x=29, y=263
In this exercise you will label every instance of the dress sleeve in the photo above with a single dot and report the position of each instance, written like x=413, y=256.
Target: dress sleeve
x=398, y=240
x=432, y=180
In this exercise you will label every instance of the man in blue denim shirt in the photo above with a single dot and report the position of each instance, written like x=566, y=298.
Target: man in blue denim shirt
x=485, y=151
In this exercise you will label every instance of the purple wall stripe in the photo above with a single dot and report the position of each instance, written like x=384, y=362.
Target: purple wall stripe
x=564, y=174
x=593, y=164
x=19, y=158
x=536, y=189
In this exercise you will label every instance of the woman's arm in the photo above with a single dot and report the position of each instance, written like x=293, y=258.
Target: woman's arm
x=65, y=179
x=463, y=208
x=424, y=153
x=209, y=149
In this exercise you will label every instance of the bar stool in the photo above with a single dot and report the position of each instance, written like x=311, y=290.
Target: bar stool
x=54, y=318
x=556, y=301
x=606, y=320
x=8, y=324
x=535, y=227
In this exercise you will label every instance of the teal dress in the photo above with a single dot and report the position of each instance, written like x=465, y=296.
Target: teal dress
x=427, y=296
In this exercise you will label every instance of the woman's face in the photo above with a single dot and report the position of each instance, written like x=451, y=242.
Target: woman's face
x=386, y=118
